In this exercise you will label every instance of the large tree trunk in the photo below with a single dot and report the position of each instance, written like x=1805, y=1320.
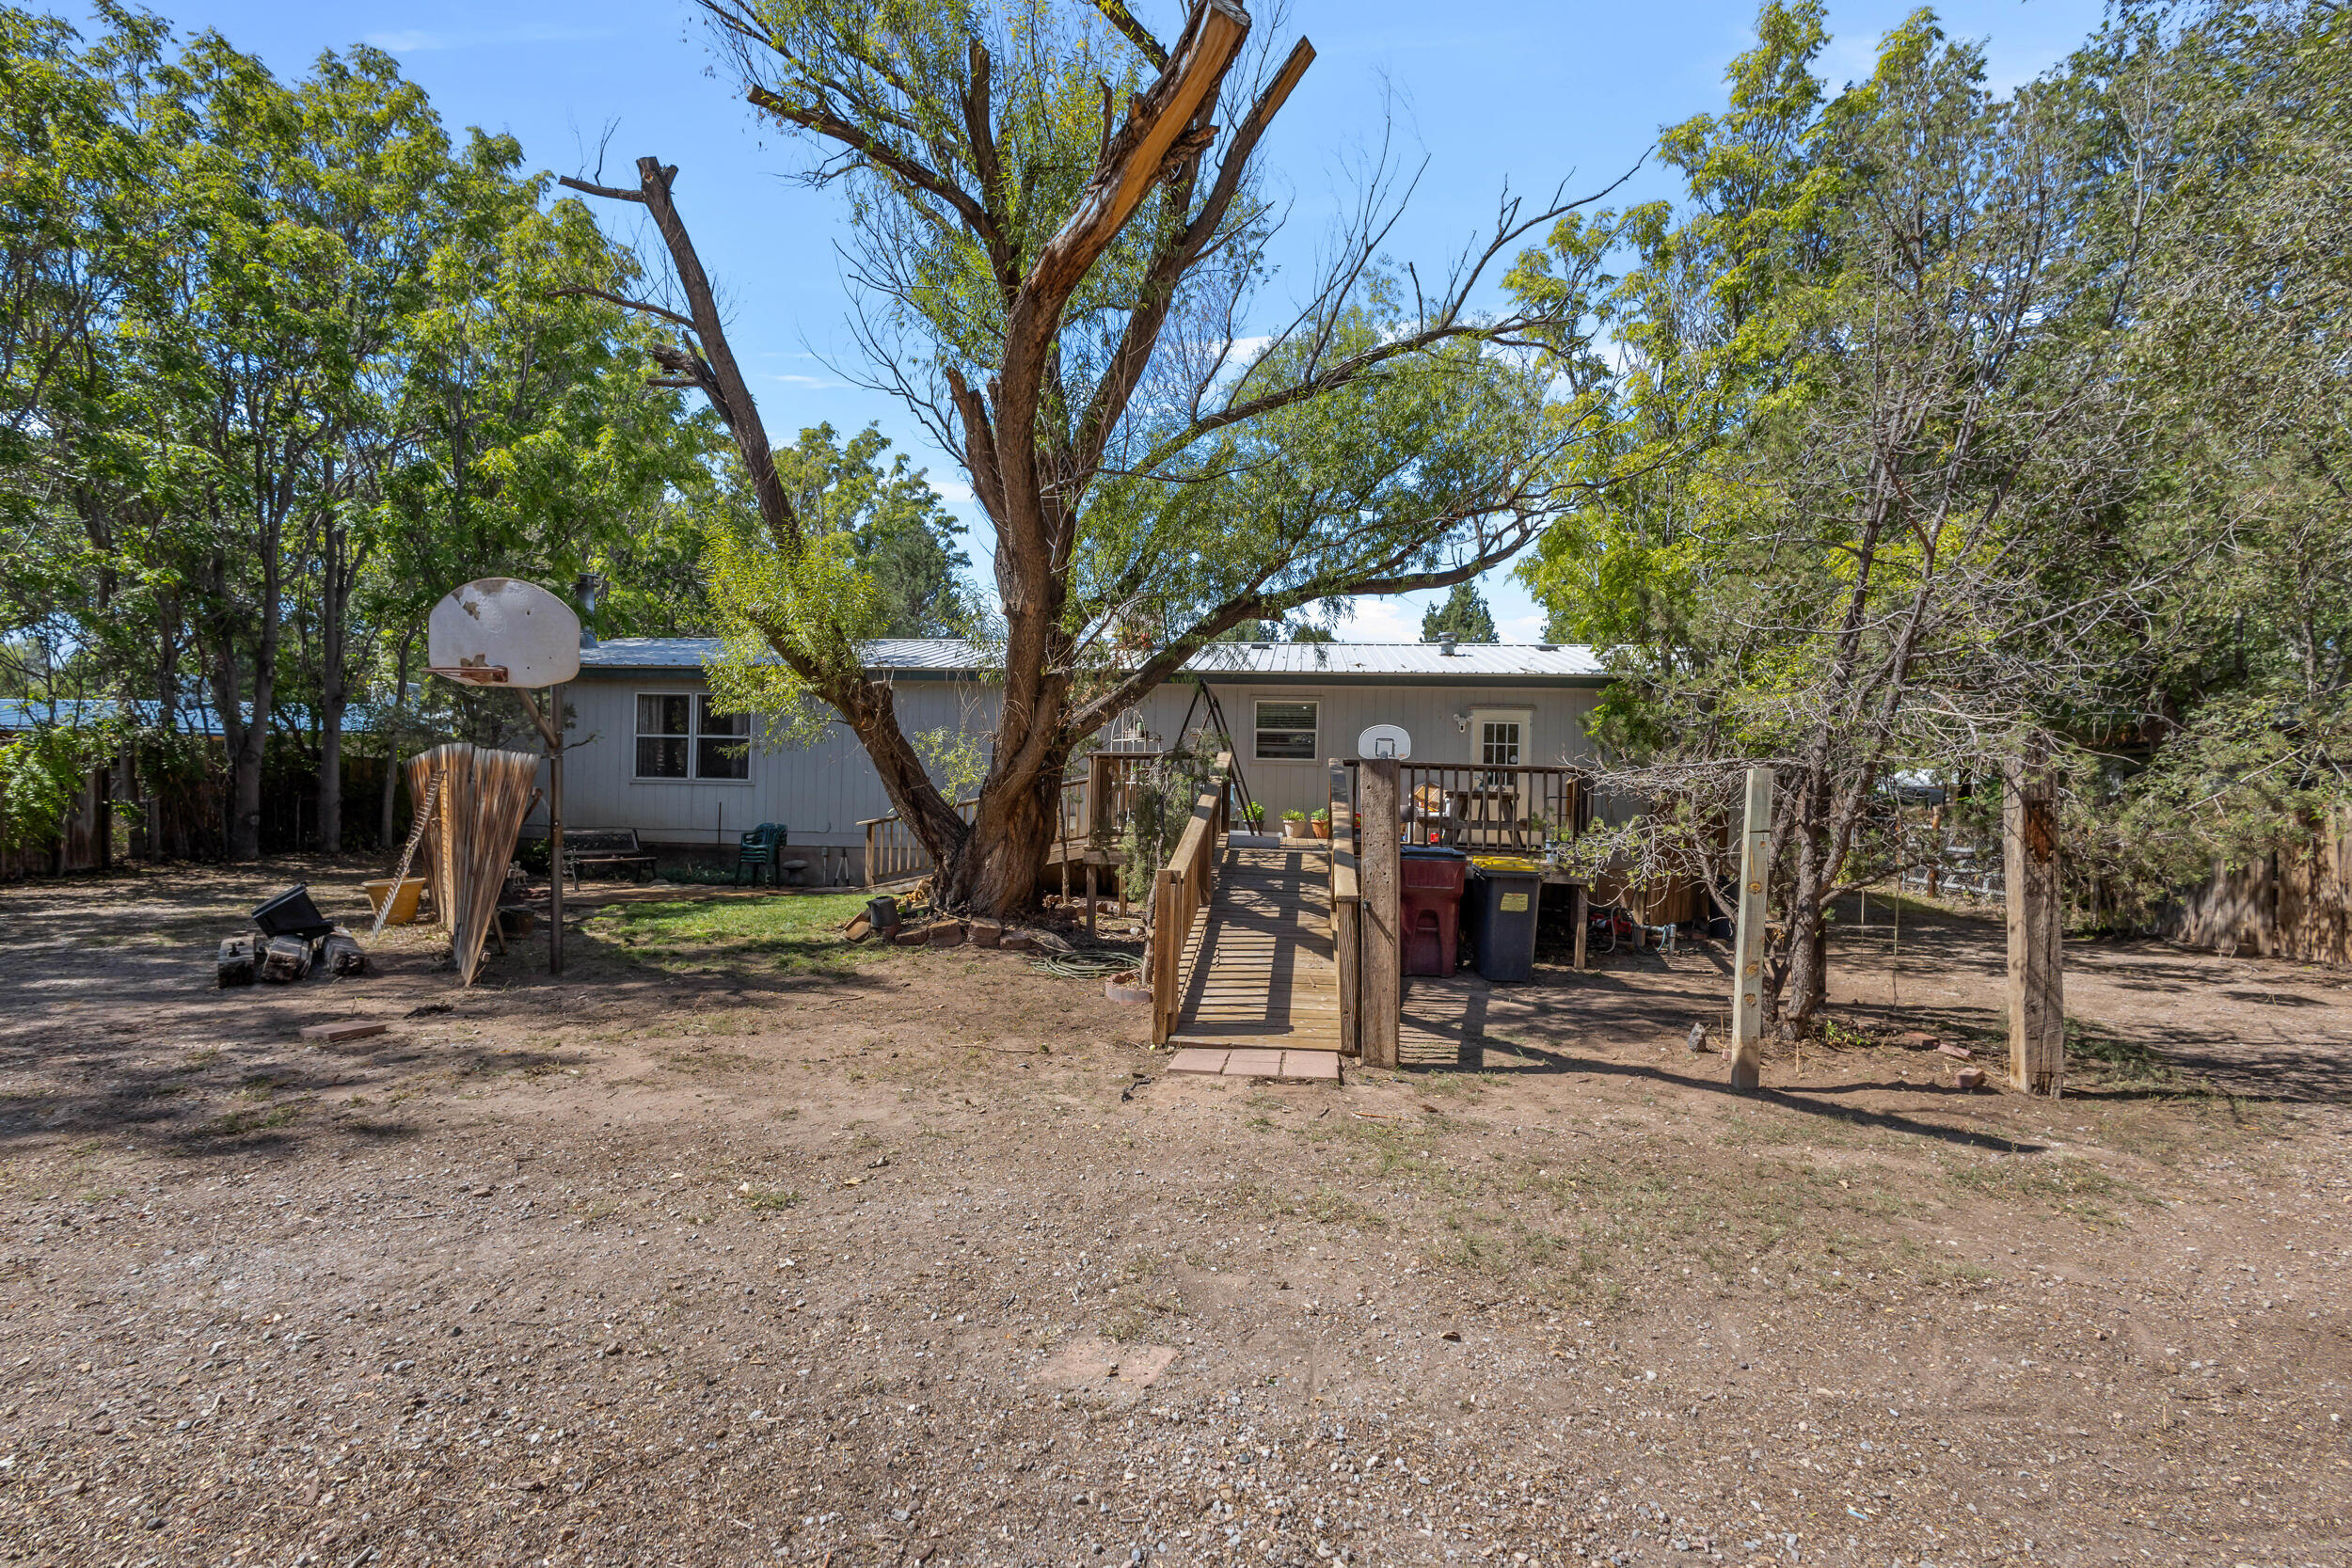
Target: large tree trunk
x=248, y=734
x=995, y=872
x=392, y=740
x=334, y=689
x=1805, y=968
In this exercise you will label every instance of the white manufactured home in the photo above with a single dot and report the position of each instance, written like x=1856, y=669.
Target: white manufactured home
x=645, y=751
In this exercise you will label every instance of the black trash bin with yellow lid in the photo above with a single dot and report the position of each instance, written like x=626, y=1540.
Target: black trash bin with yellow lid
x=1506, y=895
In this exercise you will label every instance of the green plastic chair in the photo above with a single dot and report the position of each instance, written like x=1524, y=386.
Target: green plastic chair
x=757, y=851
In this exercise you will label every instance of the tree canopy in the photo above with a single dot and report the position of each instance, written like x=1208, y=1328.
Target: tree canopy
x=1059, y=233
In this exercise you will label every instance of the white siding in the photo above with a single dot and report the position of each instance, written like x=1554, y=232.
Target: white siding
x=1556, y=731
x=822, y=792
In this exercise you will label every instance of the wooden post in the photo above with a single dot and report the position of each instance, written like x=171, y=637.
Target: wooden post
x=1747, y=963
x=1098, y=793
x=1380, y=975
x=2036, y=999
x=1583, y=921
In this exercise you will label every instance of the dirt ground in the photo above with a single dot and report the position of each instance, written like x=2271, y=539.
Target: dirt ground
x=737, y=1245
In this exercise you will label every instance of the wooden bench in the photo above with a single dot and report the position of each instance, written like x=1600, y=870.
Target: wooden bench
x=603, y=847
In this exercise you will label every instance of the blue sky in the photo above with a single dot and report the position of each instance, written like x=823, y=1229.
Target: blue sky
x=1490, y=93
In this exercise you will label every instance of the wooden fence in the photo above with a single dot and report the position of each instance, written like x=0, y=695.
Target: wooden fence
x=1181, y=892
x=2296, y=903
x=1089, y=809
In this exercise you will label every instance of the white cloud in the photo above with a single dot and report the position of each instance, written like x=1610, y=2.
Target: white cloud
x=1519, y=628
x=1392, y=618
x=953, y=491
x=809, y=383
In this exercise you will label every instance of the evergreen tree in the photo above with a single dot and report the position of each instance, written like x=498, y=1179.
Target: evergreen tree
x=1463, y=618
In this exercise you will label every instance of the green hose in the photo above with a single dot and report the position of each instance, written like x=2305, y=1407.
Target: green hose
x=1086, y=966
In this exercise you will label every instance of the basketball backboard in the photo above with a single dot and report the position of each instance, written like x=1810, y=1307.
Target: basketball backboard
x=1385, y=740
x=504, y=631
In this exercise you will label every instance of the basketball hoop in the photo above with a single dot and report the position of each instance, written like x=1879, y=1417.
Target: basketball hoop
x=506, y=632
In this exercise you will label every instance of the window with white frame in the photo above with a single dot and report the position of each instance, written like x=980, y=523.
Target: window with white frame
x=680, y=736
x=1500, y=736
x=1286, y=732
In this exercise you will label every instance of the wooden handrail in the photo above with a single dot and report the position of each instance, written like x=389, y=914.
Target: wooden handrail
x=1347, y=905
x=1180, y=890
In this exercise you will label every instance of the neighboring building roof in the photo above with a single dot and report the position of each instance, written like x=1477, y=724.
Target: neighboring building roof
x=25, y=713
x=1422, y=663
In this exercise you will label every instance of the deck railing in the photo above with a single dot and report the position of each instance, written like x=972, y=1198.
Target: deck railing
x=1179, y=894
x=1519, y=808
x=1101, y=794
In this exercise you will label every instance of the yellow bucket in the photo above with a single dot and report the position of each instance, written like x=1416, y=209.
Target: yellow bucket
x=404, y=901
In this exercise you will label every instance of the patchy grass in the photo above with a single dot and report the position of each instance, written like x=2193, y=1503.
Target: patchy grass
x=797, y=935
x=2066, y=1186
x=237, y=1123
x=2107, y=1057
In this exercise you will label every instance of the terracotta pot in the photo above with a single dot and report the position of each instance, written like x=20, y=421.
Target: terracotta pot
x=1322, y=829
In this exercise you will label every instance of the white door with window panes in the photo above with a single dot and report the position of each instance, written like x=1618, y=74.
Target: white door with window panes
x=1499, y=736
x=1499, y=739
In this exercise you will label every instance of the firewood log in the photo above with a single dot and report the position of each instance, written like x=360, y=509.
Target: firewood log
x=344, y=955
x=285, y=959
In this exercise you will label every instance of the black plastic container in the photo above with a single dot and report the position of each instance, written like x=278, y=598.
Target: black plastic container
x=292, y=914
x=1504, y=905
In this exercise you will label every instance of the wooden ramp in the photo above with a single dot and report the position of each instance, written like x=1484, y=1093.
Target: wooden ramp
x=1258, y=971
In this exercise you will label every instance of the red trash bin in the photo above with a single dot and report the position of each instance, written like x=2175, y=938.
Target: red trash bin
x=1429, y=904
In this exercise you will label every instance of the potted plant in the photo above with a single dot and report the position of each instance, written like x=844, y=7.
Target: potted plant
x=1294, y=823
x=1255, y=811
x=1321, y=819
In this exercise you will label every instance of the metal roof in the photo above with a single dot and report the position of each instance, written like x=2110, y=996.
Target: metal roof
x=1422, y=662
x=18, y=714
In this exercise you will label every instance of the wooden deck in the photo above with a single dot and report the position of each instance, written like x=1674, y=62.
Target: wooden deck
x=1270, y=980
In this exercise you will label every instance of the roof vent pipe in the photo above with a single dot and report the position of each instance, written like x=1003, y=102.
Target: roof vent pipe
x=1446, y=648
x=588, y=589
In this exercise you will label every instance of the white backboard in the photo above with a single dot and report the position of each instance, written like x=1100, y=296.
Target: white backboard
x=1385, y=740
x=506, y=624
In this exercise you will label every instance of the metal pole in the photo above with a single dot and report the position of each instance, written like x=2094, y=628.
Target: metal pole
x=555, y=835
x=551, y=731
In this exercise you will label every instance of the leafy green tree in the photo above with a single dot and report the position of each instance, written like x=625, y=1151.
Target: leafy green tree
x=1059, y=220
x=279, y=365
x=1869, y=395
x=1463, y=618
x=2227, y=198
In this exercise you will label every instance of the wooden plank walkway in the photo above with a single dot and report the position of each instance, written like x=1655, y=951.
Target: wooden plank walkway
x=1269, y=979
